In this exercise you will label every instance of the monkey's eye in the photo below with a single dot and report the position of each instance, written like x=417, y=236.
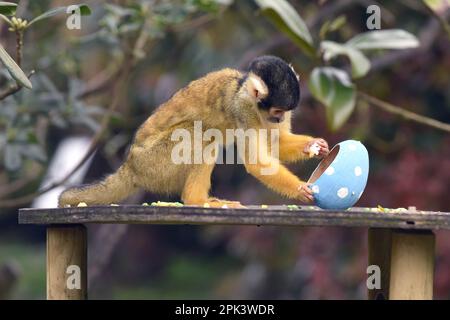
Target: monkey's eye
x=276, y=112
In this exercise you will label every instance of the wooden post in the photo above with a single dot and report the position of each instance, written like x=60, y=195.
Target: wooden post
x=412, y=265
x=66, y=262
x=379, y=245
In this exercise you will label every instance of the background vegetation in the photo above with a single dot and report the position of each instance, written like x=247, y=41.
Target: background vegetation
x=387, y=88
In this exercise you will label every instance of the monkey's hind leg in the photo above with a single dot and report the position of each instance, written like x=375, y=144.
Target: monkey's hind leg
x=196, y=189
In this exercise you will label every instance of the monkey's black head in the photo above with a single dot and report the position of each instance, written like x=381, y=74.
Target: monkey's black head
x=281, y=81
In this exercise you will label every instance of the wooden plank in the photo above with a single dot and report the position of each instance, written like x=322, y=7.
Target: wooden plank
x=66, y=262
x=276, y=215
x=412, y=265
x=379, y=245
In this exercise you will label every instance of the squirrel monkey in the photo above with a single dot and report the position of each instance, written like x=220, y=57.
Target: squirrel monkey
x=261, y=98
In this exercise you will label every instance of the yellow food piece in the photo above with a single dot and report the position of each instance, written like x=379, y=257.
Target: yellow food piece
x=264, y=206
x=82, y=204
x=166, y=204
x=206, y=205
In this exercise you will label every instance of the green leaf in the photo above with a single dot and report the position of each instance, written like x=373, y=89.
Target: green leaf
x=334, y=89
x=384, y=39
x=360, y=64
x=14, y=69
x=8, y=8
x=331, y=26
x=31, y=137
x=5, y=18
x=84, y=10
x=285, y=18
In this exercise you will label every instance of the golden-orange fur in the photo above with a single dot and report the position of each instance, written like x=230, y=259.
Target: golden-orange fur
x=220, y=103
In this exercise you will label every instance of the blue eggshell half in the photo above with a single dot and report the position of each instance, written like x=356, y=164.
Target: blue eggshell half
x=339, y=180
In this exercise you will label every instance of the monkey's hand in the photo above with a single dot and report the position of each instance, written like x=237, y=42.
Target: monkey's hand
x=317, y=147
x=305, y=193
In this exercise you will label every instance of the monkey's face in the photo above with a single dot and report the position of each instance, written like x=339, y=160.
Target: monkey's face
x=280, y=87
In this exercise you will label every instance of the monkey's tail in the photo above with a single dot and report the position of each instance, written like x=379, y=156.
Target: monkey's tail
x=112, y=189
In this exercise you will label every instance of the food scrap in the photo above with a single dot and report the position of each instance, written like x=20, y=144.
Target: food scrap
x=292, y=207
x=386, y=210
x=165, y=204
x=314, y=150
x=82, y=204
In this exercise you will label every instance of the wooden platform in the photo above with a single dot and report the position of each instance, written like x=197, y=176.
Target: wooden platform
x=401, y=244
x=253, y=215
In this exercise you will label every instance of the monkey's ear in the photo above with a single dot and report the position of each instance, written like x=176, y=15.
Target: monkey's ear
x=293, y=70
x=256, y=87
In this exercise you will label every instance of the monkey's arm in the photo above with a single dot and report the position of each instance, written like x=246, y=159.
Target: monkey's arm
x=278, y=178
x=294, y=147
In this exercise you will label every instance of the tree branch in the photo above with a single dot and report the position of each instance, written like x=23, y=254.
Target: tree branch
x=19, y=46
x=100, y=83
x=13, y=88
x=405, y=114
x=19, y=184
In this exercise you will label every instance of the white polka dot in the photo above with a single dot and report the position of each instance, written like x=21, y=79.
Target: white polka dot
x=315, y=189
x=358, y=171
x=342, y=193
x=329, y=171
x=352, y=147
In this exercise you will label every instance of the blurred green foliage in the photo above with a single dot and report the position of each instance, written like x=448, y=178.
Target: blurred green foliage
x=330, y=86
x=64, y=105
x=30, y=260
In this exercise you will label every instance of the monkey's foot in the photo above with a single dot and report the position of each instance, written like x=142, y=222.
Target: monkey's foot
x=219, y=203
